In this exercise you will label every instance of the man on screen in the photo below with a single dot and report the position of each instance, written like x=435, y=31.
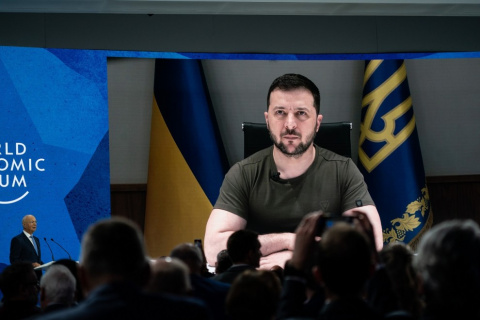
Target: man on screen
x=272, y=190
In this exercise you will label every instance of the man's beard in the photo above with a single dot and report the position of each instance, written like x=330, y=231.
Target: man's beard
x=299, y=150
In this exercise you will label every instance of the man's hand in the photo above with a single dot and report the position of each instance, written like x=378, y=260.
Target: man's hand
x=222, y=224
x=374, y=219
x=276, y=242
x=305, y=240
x=363, y=224
x=275, y=259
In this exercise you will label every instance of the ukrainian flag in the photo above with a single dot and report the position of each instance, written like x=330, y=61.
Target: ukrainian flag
x=187, y=161
x=389, y=153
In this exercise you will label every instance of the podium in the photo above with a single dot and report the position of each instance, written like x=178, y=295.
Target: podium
x=44, y=266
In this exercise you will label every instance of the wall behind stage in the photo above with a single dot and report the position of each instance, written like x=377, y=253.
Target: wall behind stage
x=444, y=91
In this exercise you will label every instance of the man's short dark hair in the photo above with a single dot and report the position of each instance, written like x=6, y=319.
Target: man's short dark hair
x=254, y=294
x=344, y=258
x=13, y=277
x=223, y=261
x=114, y=247
x=240, y=243
x=292, y=81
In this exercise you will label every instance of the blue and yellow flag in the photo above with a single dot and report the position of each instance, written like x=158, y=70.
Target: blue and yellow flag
x=187, y=161
x=389, y=153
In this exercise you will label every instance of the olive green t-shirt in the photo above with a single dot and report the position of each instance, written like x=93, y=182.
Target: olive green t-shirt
x=270, y=204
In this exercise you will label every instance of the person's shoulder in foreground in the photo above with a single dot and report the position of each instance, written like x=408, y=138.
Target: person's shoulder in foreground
x=120, y=301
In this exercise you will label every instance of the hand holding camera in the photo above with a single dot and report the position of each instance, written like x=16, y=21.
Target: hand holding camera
x=327, y=220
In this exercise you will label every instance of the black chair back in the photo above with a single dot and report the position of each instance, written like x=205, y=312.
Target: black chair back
x=334, y=136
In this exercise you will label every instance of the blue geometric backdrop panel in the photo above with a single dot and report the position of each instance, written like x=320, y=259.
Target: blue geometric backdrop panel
x=54, y=158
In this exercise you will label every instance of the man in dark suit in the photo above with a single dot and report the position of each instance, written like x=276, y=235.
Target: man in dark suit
x=212, y=292
x=19, y=286
x=113, y=271
x=25, y=246
x=243, y=248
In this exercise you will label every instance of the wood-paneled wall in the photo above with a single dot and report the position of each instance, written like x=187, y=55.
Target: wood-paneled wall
x=129, y=201
x=451, y=197
x=454, y=197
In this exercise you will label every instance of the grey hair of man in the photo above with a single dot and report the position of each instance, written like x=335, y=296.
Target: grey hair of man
x=58, y=285
x=170, y=275
x=190, y=255
x=448, y=261
x=114, y=248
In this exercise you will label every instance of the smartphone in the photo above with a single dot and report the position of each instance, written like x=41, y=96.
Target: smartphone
x=327, y=220
x=198, y=243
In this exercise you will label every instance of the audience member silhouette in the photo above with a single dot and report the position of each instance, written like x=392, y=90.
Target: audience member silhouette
x=243, y=247
x=204, y=271
x=72, y=265
x=212, y=292
x=307, y=292
x=343, y=264
x=325, y=279
x=223, y=261
x=114, y=270
x=114, y=273
x=397, y=260
x=254, y=295
x=19, y=286
x=278, y=271
x=448, y=263
x=170, y=275
x=57, y=289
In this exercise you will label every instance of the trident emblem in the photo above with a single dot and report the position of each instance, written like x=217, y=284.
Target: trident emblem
x=387, y=135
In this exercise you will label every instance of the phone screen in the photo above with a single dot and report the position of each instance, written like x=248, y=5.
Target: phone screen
x=198, y=243
x=328, y=220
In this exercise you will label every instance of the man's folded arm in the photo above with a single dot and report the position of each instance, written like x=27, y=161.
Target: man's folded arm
x=221, y=224
x=276, y=249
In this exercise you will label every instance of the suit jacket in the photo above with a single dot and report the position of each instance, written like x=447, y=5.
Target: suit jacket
x=347, y=309
x=21, y=249
x=213, y=293
x=125, y=301
x=293, y=301
x=18, y=310
x=231, y=273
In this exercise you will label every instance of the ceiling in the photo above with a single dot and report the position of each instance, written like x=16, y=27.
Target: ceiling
x=250, y=7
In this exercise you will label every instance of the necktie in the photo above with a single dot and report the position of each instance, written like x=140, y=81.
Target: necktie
x=34, y=244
